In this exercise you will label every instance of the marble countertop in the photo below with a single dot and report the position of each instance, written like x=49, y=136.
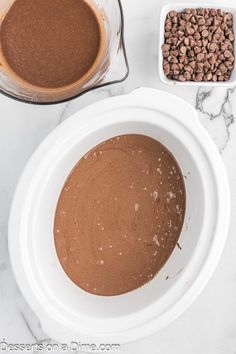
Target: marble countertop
x=209, y=325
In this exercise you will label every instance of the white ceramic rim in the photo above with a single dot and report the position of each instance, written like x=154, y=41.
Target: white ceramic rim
x=139, y=98
x=179, y=7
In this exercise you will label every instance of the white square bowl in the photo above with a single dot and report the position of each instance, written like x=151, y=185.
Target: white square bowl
x=180, y=7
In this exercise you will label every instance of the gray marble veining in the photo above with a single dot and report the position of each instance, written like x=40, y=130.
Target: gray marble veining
x=218, y=108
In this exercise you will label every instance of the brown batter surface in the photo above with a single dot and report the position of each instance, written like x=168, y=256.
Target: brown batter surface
x=119, y=215
x=50, y=43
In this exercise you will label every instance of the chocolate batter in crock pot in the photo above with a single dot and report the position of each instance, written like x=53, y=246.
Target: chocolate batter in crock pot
x=50, y=43
x=119, y=215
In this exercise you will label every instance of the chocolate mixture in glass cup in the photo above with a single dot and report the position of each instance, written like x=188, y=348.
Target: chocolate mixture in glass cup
x=51, y=45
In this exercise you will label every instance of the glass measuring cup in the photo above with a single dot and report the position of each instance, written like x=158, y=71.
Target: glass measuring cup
x=113, y=67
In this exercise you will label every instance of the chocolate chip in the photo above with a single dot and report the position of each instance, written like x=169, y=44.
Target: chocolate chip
x=197, y=50
x=174, y=67
x=165, y=47
x=166, y=68
x=200, y=57
x=207, y=65
x=186, y=41
x=187, y=76
x=202, y=21
x=189, y=68
x=197, y=35
x=182, y=78
x=199, y=77
x=213, y=47
x=227, y=54
x=222, y=68
x=231, y=37
x=209, y=76
x=205, y=33
x=166, y=54
x=183, y=50
x=189, y=30
x=172, y=13
x=221, y=57
x=213, y=12
x=193, y=64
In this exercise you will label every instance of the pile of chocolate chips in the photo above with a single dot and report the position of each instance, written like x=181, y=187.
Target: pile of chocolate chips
x=198, y=45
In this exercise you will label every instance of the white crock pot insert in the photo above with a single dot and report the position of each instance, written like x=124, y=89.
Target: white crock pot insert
x=66, y=311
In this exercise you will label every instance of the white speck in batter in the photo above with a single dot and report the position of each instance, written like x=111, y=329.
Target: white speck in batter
x=155, y=195
x=136, y=207
x=178, y=210
x=155, y=239
x=170, y=195
x=100, y=262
